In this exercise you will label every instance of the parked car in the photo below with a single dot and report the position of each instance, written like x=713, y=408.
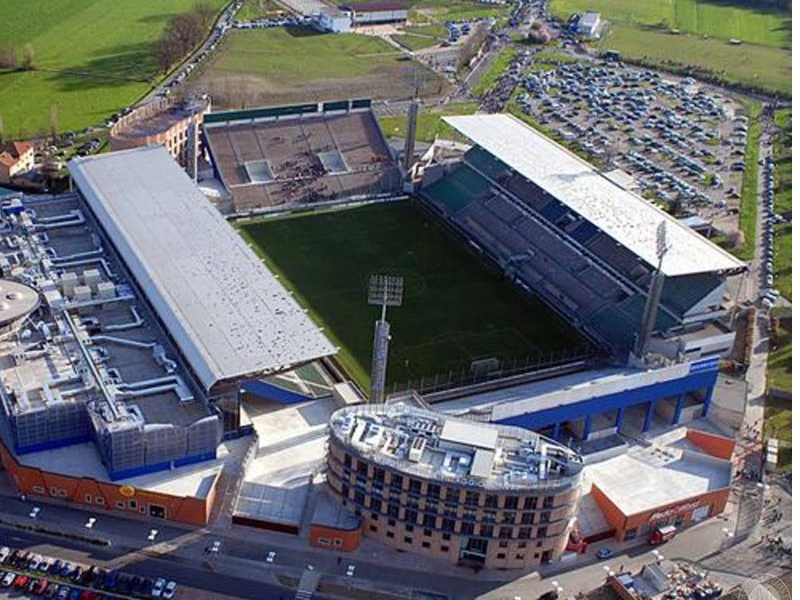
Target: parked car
x=604, y=553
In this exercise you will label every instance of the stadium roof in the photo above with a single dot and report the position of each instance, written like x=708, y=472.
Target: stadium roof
x=227, y=313
x=628, y=218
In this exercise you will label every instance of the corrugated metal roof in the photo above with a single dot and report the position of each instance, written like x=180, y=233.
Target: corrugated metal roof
x=628, y=218
x=227, y=313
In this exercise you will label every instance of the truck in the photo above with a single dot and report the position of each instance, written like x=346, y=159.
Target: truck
x=663, y=534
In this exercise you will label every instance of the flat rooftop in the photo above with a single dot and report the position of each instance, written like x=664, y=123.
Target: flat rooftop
x=83, y=460
x=228, y=314
x=430, y=445
x=291, y=449
x=628, y=218
x=648, y=477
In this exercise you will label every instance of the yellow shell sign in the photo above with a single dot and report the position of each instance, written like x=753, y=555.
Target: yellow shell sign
x=127, y=490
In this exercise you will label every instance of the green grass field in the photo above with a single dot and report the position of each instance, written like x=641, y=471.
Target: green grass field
x=641, y=30
x=456, y=309
x=750, y=196
x=782, y=154
x=429, y=123
x=92, y=57
x=258, y=67
x=492, y=75
x=257, y=9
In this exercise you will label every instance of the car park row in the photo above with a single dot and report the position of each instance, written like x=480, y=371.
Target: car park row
x=45, y=577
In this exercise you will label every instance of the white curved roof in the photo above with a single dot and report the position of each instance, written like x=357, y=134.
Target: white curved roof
x=227, y=313
x=628, y=218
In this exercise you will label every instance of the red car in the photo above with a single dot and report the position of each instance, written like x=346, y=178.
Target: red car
x=21, y=581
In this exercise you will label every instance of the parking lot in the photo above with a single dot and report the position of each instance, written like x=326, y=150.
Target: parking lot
x=682, y=142
x=30, y=575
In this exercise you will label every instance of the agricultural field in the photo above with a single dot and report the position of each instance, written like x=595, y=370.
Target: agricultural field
x=642, y=30
x=455, y=309
x=281, y=65
x=92, y=57
x=429, y=122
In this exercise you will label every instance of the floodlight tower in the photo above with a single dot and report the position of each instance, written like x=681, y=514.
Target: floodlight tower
x=384, y=291
x=654, y=295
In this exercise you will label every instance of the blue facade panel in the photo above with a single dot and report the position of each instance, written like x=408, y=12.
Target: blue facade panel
x=702, y=379
x=80, y=439
x=268, y=391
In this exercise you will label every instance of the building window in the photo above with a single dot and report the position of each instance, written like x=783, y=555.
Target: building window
x=451, y=496
x=373, y=528
x=509, y=517
x=324, y=541
x=120, y=505
x=505, y=532
x=361, y=467
x=434, y=491
x=374, y=516
x=38, y=489
x=524, y=533
x=411, y=516
x=88, y=498
x=446, y=537
x=544, y=517
x=444, y=548
x=448, y=525
x=529, y=504
x=99, y=500
x=429, y=520
x=394, y=511
x=472, y=498
x=541, y=532
x=491, y=500
x=390, y=534
x=409, y=528
x=391, y=522
x=510, y=502
x=486, y=530
x=504, y=544
x=415, y=486
x=426, y=544
x=397, y=481
x=630, y=534
x=337, y=541
x=548, y=502
x=427, y=532
x=522, y=545
x=380, y=475
x=520, y=557
x=407, y=540
x=527, y=518
x=501, y=555
x=490, y=516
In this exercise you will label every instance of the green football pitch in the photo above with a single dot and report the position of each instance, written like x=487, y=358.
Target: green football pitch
x=457, y=308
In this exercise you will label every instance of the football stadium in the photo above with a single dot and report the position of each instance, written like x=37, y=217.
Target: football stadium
x=153, y=341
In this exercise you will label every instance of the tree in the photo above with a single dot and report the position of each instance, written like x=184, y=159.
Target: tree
x=8, y=56
x=206, y=12
x=53, y=120
x=28, y=58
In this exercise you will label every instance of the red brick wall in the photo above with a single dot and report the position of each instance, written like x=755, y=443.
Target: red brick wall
x=87, y=491
x=339, y=539
x=714, y=445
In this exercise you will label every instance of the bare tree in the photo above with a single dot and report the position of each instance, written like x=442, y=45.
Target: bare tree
x=28, y=58
x=206, y=12
x=53, y=122
x=8, y=56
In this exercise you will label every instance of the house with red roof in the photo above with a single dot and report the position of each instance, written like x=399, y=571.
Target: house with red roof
x=16, y=158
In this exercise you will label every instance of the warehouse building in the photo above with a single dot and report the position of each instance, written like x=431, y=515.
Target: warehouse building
x=377, y=12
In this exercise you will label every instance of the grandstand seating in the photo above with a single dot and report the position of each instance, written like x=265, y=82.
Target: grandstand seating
x=571, y=263
x=299, y=153
x=683, y=293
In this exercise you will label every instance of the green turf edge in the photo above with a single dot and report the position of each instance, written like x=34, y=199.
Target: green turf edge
x=748, y=210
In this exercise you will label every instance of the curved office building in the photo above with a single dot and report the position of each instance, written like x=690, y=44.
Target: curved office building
x=470, y=493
